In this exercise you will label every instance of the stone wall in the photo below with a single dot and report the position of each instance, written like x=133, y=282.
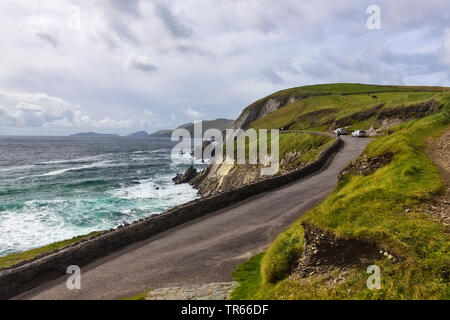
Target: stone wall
x=28, y=274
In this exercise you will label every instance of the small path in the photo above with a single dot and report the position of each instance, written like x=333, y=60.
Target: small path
x=439, y=152
x=208, y=291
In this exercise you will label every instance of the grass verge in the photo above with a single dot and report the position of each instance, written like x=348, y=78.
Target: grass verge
x=249, y=278
x=15, y=258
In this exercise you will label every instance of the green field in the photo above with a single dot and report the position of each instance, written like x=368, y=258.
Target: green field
x=369, y=208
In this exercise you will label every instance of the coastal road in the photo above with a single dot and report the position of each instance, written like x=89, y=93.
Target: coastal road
x=206, y=249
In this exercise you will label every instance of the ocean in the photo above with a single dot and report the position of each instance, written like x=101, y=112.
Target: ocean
x=55, y=188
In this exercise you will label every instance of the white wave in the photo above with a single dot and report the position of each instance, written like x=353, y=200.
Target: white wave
x=101, y=164
x=161, y=150
x=179, y=157
x=148, y=189
x=151, y=151
x=63, y=161
x=17, y=168
x=142, y=159
x=40, y=222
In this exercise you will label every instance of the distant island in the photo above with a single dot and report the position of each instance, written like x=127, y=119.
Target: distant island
x=93, y=135
x=221, y=124
x=139, y=134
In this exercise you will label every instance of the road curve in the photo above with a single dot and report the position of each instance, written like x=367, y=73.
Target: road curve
x=206, y=249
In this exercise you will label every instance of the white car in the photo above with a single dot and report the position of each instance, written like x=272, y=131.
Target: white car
x=358, y=133
x=340, y=131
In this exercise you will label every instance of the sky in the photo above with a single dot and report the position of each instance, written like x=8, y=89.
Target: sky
x=116, y=66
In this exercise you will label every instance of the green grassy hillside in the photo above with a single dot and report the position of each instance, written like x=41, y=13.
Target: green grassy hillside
x=324, y=112
x=384, y=208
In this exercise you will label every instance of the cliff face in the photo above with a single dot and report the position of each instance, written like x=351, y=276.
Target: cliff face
x=260, y=109
x=225, y=177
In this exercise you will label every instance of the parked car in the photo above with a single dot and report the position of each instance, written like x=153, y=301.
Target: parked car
x=340, y=131
x=358, y=133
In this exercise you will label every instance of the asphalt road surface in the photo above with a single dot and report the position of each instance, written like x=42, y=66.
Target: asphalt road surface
x=206, y=249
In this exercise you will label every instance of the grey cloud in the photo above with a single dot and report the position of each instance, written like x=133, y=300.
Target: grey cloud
x=122, y=16
x=190, y=49
x=272, y=76
x=334, y=66
x=49, y=38
x=405, y=14
x=172, y=23
x=389, y=57
x=379, y=65
x=143, y=66
x=417, y=63
x=129, y=7
x=122, y=30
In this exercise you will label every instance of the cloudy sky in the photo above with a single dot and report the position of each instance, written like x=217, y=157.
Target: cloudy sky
x=119, y=66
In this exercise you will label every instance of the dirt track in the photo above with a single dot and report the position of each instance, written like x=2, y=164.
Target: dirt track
x=206, y=249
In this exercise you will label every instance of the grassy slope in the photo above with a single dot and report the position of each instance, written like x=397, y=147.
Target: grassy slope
x=309, y=145
x=342, y=89
x=12, y=259
x=372, y=208
x=345, y=105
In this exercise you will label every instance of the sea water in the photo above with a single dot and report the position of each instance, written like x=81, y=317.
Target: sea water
x=55, y=188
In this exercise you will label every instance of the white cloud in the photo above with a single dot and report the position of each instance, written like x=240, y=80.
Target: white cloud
x=150, y=120
x=194, y=114
x=42, y=110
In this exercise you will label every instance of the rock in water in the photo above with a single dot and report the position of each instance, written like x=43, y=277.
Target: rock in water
x=187, y=176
